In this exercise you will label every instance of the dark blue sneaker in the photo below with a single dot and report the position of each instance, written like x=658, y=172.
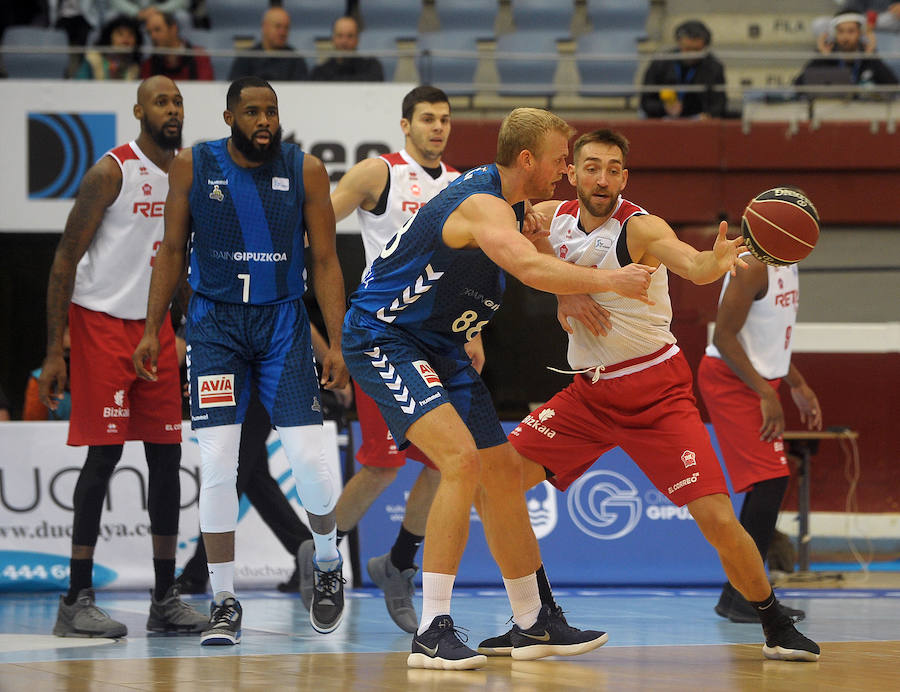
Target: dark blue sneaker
x=785, y=643
x=327, y=606
x=501, y=645
x=441, y=647
x=224, y=628
x=551, y=635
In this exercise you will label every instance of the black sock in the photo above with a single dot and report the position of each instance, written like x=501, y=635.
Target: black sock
x=80, y=577
x=165, y=576
x=341, y=534
x=403, y=554
x=768, y=610
x=544, y=589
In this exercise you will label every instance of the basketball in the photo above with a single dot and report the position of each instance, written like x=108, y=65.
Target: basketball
x=780, y=226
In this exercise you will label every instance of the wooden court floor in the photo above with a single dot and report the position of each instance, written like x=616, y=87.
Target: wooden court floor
x=660, y=639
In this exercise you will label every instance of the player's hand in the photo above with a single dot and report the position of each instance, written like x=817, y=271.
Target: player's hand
x=584, y=309
x=334, y=372
x=344, y=395
x=808, y=406
x=772, y=417
x=146, y=354
x=52, y=382
x=633, y=281
x=533, y=226
x=475, y=350
x=727, y=251
x=824, y=43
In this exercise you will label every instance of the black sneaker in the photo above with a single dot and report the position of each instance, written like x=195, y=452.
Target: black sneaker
x=189, y=584
x=551, y=635
x=224, y=626
x=785, y=643
x=441, y=647
x=328, y=599
x=501, y=645
x=733, y=606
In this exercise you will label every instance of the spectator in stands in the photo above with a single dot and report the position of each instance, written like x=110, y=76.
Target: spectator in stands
x=276, y=24
x=692, y=36
x=77, y=18
x=848, y=30
x=163, y=31
x=881, y=15
x=349, y=68
x=120, y=32
x=4, y=406
x=34, y=408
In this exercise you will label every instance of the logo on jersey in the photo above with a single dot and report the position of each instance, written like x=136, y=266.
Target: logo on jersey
x=693, y=478
x=316, y=406
x=538, y=423
x=215, y=390
x=143, y=170
x=602, y=243
x=217, y=194
x=119, y=410
x=688, y=458
x=281, y=184
x=147, y=189
x=119, y=397
x=429, y=376
x=563, y=251
x=411, y=207
x=149, y=210
x=415, y=189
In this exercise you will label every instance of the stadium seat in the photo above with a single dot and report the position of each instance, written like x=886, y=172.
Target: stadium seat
x=315, y=16
x=467, y=15
x=217, y=39
x=35, y=65
x=452, y=73
x=544, y=15
x=603, y=73
x=889, y=42
x=241, y=16
x=401, y=16
x=372, y=40
x=530, y=72
x=627, y=15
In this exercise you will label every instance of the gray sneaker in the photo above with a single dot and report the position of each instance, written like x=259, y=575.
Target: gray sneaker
x=398, y=590
x=305, y=572
x=171, y=614
x=84, y=619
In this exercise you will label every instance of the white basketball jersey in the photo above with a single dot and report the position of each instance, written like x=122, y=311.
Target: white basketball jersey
x=409, y=187
x=113, y=276
x=766, y=334
x=637, y=329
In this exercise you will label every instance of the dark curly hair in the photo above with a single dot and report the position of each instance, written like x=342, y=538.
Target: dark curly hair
x=105, y=38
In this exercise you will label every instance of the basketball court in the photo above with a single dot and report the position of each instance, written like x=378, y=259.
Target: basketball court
x=660, y=639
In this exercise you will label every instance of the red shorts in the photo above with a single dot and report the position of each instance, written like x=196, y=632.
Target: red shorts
x=378, y=448
x=650, y=414
x=736, y=416
x=110, y=404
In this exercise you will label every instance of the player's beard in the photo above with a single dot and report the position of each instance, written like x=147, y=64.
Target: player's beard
x=594, y=208
x=160, y=138
x=252, y=151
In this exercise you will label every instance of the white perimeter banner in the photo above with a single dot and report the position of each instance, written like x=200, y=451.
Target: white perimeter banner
x=54, y=130
x=38, y=472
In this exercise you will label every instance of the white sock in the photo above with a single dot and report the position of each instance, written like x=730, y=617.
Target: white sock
x=221, y=579
x=524, y=599
x=437, y=589
x=327, y=555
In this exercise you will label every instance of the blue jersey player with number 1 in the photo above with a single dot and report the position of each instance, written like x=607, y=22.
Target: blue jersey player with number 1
x=245, y=203
x=437, y=282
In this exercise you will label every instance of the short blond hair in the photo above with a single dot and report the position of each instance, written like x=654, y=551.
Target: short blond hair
x=524, y=128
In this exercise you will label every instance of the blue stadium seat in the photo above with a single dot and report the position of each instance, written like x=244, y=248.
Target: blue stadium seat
x=402, y=16
x=630, y=15
x=242, y=16
x=545, y=15
x=604, y=72
x=889, y=42
x=467, y=15
x=527, y=74
x=34, y=65
x=216, y=39
x=316, y=16
x=382, y=40
x=453, y=74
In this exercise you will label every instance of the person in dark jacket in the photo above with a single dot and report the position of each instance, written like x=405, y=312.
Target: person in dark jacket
x=352, y=68
x=283, y=65
x=692, y=37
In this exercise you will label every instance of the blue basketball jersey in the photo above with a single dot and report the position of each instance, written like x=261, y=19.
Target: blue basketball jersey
x=445, y=295
x=246, y=243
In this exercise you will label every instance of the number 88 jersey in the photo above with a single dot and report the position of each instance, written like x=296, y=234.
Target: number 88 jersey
x=445, y=295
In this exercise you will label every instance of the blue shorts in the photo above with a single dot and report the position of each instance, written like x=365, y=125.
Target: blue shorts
x=232, y=347
x=407, y=379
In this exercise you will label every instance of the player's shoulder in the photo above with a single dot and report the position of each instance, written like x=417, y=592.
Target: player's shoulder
x=394, y=158
x=627, y=209
x=122, y=153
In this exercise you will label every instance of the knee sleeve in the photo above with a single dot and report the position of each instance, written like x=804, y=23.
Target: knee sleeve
x=305, y=449
x=90, y=492
x=218, y=477
x=164, y=487
x=759, y=513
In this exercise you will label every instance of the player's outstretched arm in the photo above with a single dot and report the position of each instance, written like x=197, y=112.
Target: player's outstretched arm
x=361, y=186
x=169, y=264
x=327, y=279
x=99, y=188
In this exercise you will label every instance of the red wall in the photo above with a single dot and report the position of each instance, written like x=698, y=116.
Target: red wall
x=694, y=172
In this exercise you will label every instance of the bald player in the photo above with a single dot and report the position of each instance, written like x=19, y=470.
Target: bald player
x=99, y=284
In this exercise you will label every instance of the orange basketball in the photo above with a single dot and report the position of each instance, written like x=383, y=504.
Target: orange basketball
x=780, y=226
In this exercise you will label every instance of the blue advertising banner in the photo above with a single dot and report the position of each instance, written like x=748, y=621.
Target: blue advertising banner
x=611, y=527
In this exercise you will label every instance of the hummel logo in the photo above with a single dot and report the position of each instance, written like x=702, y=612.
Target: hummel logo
x=545, y=637
x=430, y=652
